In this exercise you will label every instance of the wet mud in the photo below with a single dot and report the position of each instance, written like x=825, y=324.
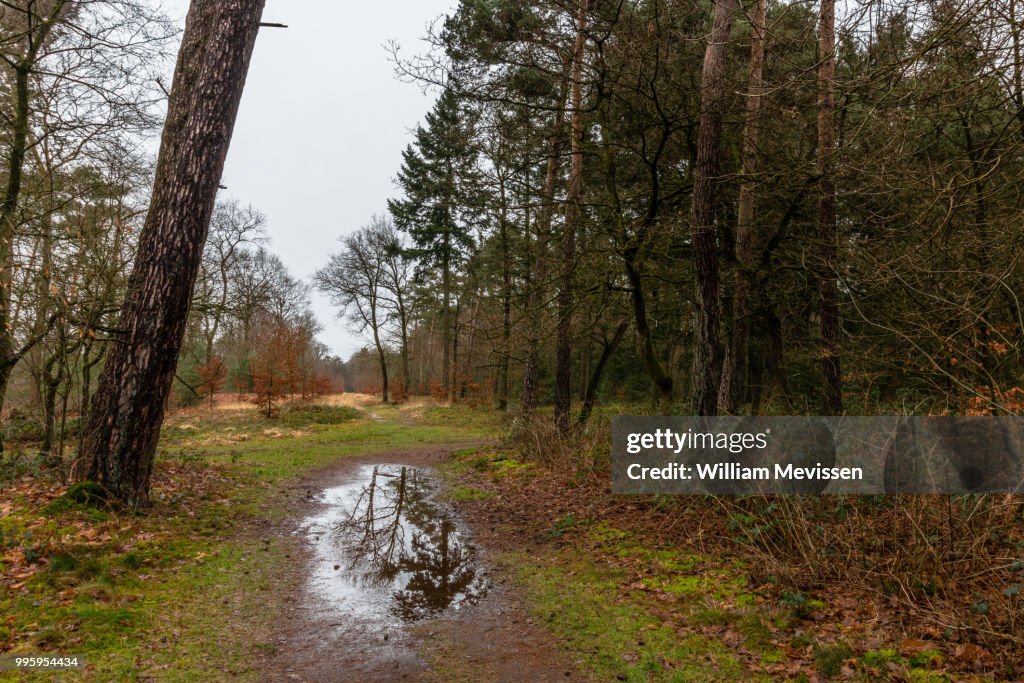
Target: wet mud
x=388, y=553
x=387, y=584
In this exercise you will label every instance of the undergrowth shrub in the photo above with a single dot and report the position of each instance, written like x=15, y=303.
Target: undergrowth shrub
x=299, y=414
x=585, y=451
x=962, y=555
x=21, y=427
x=958, y=558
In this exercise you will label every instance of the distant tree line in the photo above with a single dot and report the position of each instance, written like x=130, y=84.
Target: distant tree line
x=251, y=330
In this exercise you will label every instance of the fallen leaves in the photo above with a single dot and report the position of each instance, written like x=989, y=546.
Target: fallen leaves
x=913, y=646
x=32, y=536
x=889, y=635
x=971, y=655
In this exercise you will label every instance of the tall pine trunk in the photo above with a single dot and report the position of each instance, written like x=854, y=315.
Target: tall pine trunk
x=506, y=301
x=538, y=274
x=531, y=369
x=563, y=346
x=406, y=372
x=123, y=425
x=703, y=234
x=446, y=323
x=736, y=368
x=829, y=312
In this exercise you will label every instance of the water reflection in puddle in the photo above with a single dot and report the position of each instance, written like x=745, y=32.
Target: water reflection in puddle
x=387, y=551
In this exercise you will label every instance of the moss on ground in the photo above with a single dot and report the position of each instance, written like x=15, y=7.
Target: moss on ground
x=138, y=596
x=629, y=608
x=619, y=637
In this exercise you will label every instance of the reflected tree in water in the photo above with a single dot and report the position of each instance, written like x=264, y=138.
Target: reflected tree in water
x=396, y=535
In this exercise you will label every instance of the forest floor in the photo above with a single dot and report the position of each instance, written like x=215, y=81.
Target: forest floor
x=227, y=577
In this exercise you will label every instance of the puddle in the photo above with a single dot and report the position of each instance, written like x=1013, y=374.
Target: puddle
x=387, y=553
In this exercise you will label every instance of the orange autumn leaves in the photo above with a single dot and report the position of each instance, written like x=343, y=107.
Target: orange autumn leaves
x=282, y=366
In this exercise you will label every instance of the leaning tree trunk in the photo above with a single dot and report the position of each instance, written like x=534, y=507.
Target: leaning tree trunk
x=594, y=383
x=123, y=426
x=706, y=352
x=735, y=369
x=833, y=383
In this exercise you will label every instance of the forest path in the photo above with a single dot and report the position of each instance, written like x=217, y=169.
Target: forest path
x=388, y=584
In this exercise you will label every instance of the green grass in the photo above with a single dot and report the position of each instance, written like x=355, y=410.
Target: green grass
x=301, y=414
x=626, y=607
x=271, y=455
x=141, y=601
x=668, y=624
x=614, y=626
x=104, y=601
x=462, y=493
x=646, y=630
x=497, y=465
x=619, y=638
x=829, y=658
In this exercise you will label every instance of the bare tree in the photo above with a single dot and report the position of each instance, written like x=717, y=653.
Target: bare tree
x=232, y=228
x=355, y=279
x=75, y=78
x=396, y=281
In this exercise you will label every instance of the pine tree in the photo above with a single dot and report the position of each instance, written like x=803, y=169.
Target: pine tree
x=123, y=425
x=436, y=178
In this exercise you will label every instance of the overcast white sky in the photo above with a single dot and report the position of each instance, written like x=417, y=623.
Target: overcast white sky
x=323, y=124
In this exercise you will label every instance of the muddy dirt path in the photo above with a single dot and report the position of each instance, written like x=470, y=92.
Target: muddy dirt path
x=389, y=584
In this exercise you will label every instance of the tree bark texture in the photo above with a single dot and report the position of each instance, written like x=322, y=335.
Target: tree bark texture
x=829, y=323
x=735, y=369
x=506, y=303
x=446, y=322
x=703, y=234
x=123, y=425
x=563, y=346
x=537, y=276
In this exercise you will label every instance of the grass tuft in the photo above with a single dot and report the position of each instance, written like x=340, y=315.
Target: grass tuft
x=829, y=658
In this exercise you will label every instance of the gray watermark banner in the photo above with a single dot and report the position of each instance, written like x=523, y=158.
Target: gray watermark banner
x=814, y=455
